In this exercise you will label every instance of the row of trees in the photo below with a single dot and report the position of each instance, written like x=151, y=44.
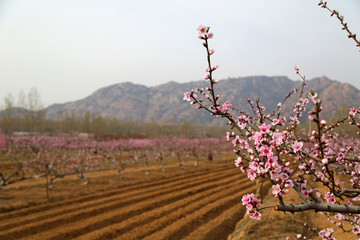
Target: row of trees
x=54, y=157
x=26, y=115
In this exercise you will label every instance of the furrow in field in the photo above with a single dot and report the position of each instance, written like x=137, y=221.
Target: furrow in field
x=145, y=219
x=27, y=211
x=165, y=220
x=221, y=226
x=49, y=224
x=70, y=207
x=69, y=231
x=188, y=223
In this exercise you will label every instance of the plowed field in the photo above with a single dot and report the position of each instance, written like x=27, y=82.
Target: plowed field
x=198, y=204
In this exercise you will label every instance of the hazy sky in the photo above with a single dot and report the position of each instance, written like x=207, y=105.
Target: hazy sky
x=68, y=49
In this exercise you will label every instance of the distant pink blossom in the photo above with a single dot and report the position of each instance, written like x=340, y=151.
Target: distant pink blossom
x=276, y=190
x=353, y=111
x=275, y=121
x=304, y=190
x=242, y=125
x=186, y=96
x=202, y=29
x=251, y=174
x=247, y=198
x=297, y=146
x=257, y=137
x=265, y=128
x=238, y=162
x=315, y=98
x=356, y=230
x=225, y=107
x=228, y=136
x=296, y=68
x=251, y=204
x=256, y=215
x=326, y=233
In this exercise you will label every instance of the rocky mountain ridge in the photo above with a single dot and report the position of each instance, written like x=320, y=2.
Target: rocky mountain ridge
x=164, y=103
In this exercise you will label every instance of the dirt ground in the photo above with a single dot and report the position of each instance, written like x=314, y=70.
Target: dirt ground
x=279, y=225
x=190, y=203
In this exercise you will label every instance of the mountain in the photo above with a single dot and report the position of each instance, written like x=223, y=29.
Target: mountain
x=128, y=101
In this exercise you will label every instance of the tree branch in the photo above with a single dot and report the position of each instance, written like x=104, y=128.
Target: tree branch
x=321, y=207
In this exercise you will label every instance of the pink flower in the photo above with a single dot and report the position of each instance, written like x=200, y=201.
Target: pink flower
x=296, y=68
x=242, y=118
x=326, y=233
x=323, y=122
x=228, y=136
x=275, y=121
x=238, y=162
x=225, y=107
x=304, y=190
x=204, y=32
x=211, y=51
x=264, y=128
x=341, y=155
x=202, y=29
x=278, y=137
x=297, y=146
x=276, y=190
x=352, y=112
x=315, y=98
x=251, y=174
x=265, y=150
x=329, y=197
x=272, y=160
x=255, y=215
x=247, y=198
x=257, y=137
x=186, y=96
x=356, y=230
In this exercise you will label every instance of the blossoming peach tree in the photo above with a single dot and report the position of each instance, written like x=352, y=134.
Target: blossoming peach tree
x=325, y=174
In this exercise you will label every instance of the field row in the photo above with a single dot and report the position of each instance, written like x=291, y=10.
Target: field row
x=197, y=205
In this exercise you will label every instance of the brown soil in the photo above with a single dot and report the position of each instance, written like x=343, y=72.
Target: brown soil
x=279, y=225
x=191, y=203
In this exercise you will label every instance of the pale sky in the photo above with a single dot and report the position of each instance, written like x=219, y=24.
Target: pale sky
x=68, y=49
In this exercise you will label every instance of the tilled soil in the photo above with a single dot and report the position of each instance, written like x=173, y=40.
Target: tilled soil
x=203, y=203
